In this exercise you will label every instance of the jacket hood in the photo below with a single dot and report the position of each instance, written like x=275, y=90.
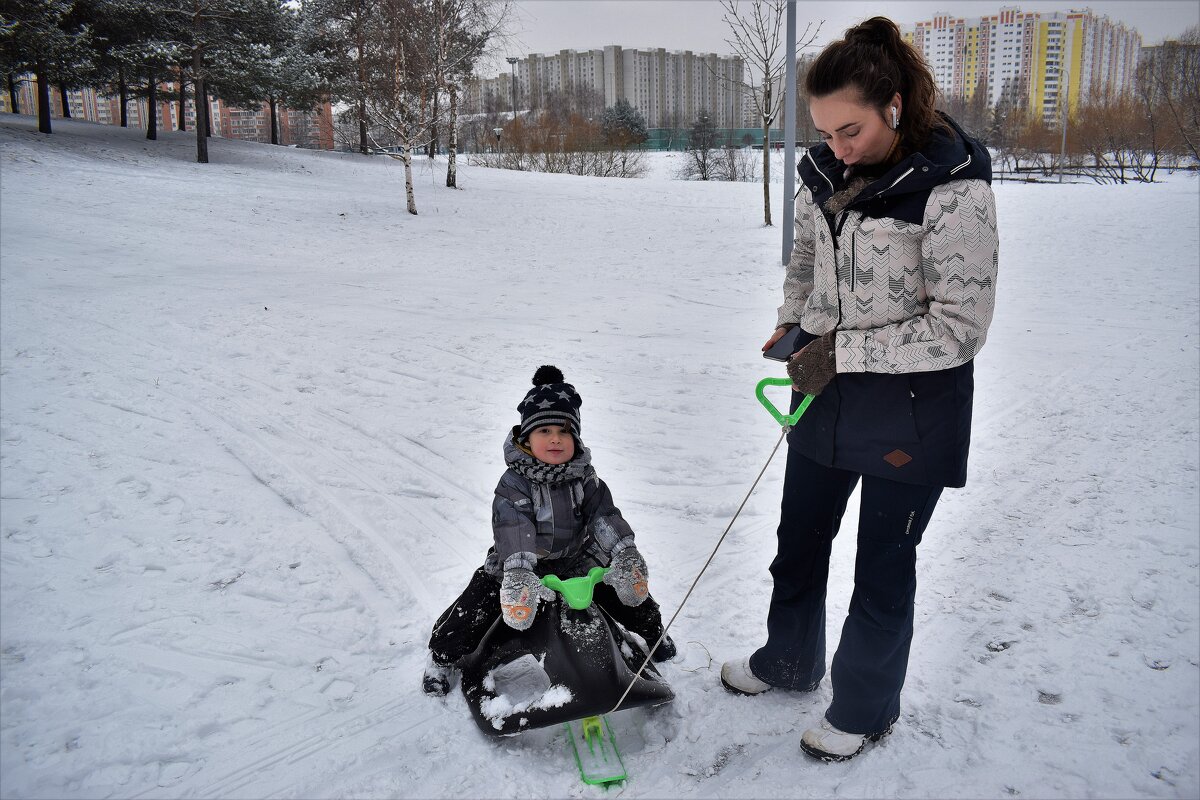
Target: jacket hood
x=944, y=158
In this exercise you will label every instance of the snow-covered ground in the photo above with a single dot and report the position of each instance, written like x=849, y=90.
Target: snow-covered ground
x=251, y=422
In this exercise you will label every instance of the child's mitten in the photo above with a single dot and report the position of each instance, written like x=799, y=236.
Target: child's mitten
x=520, y=591
x=628, y=573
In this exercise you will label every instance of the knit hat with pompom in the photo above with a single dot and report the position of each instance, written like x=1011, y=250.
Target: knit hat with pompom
x=551, y=401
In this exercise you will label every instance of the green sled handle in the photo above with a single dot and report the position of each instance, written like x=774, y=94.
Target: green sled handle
x=577, y=591
x=786, y=420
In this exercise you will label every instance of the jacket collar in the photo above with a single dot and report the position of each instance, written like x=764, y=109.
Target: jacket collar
x=945, y=158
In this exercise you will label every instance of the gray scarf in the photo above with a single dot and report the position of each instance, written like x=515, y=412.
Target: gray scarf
x=536, y=471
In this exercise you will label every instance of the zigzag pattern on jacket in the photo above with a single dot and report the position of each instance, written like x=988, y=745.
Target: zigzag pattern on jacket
x=904, y=297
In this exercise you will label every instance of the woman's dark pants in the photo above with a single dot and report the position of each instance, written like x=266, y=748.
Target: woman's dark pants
x=872, y=656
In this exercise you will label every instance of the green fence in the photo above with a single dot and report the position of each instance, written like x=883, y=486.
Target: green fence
x=676, y=138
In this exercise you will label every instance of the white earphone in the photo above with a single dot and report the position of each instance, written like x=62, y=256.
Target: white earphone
x=895, y=119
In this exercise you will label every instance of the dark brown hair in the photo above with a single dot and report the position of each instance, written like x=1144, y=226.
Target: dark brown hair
x=875, y=60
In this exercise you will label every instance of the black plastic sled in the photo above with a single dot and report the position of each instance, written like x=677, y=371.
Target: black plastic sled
x=568, y=665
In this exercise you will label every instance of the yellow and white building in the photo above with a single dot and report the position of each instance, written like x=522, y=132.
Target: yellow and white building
x=1035, y=57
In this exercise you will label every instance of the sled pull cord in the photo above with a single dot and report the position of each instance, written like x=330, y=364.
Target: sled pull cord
x=787, y=421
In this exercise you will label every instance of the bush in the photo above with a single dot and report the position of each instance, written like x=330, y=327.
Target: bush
x=575, y=146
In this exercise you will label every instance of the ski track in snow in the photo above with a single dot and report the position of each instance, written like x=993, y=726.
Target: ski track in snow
x=251, y=422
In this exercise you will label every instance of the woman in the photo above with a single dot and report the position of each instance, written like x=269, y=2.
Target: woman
x=892, y=282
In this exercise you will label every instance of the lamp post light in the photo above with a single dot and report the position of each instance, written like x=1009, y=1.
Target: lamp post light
x=497, y=131
x=512, y=63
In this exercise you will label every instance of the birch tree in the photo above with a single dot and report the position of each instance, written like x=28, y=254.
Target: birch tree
x=400, y=84
x=462, y=31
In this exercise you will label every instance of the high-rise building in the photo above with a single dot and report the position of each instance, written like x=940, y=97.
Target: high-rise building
x=669, y=87
x=1030, y=56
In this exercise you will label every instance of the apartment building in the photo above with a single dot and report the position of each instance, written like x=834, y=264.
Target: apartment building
x=1038, y=58
x=669, y=87
x=301, y=128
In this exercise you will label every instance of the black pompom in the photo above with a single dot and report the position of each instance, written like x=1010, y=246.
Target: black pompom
x=547, y=374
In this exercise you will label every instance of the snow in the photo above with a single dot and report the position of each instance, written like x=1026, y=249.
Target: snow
x=251, y=416
x=518, y=686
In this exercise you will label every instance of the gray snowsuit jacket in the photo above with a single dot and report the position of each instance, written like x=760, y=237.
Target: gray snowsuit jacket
x=570, y=526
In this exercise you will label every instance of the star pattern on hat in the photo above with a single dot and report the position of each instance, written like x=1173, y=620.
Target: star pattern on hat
x=545, y=404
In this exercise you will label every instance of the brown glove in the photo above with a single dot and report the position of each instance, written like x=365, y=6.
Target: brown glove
x=814, y=366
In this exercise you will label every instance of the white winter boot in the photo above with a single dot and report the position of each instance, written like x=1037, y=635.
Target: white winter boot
x=830, y=744
x=737, y=678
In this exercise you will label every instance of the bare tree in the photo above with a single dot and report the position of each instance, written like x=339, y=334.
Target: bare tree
x=758, y=37
x=546, y=143
x=1175, y=67
x=701, y=159
x=462, y=30
x=1119, y=137
x=400, y=84
x=735, y=164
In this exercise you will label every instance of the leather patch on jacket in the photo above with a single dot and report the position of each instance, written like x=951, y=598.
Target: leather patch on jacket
x=897, y=458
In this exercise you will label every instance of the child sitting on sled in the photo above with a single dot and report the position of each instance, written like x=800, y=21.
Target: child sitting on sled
x=551, y=515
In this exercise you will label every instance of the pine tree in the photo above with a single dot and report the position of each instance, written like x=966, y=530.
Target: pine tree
x=280, y=67
x=338, y=30
x=134, y=47
x=623, y=126
x=225, y=41
x=45, y=37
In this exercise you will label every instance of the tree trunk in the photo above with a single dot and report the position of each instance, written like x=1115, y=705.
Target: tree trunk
x=433, y=131
x=274, y=103
x=180, y=115
x=152, y=104
x=452, y=143
x=408, y=179
x=766, y=171
x=362, y=88
x=200, y=100
x=66, y=104
x=123, y=92
x=13, y=99
x=43, y=100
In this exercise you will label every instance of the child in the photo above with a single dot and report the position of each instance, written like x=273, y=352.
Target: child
x=551, y=514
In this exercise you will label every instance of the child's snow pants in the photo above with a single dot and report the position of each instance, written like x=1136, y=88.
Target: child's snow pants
x=462, y=626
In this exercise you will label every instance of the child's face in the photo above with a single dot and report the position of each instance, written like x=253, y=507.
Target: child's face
x=552, y=444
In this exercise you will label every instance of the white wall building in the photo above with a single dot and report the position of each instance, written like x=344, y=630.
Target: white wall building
x=669, y=88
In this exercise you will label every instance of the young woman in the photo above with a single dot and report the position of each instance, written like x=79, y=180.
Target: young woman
x=892, y=282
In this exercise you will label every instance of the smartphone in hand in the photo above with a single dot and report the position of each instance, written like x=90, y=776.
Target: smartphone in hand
x=786, y=347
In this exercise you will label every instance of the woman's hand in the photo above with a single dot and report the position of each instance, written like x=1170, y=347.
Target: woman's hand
x=775, y=337
x=813, y=367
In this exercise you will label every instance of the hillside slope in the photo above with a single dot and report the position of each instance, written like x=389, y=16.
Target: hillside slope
x=251, y=422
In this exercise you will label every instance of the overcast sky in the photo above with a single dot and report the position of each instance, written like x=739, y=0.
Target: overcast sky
x=547, y=26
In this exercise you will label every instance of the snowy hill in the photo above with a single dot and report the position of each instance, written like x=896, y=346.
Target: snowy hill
x=251, y=422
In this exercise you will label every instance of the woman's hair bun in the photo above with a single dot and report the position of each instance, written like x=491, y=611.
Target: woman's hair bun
x=879, y=31
x=547, y=374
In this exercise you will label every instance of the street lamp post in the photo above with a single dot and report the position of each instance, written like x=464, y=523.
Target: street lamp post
x=512, y=63
x=1065, y=106
x=497, y=131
